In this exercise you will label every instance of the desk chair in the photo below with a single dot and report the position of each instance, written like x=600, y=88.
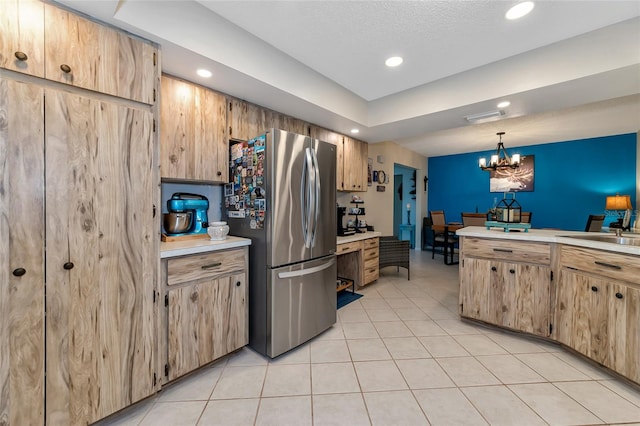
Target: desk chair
x=427, y=233
x=393, y=252
x=473, y=219
x=446, y=242
x=594, y=223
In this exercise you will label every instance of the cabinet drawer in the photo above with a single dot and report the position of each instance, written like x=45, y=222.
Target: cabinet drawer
x=615, y=266
x=516, y=251
x=371, y=254
x=371, y=271
x=370, y=242
x=210, y=265
x=348, y=247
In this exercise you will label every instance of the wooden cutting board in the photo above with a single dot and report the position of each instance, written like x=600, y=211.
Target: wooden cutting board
x=172, y=238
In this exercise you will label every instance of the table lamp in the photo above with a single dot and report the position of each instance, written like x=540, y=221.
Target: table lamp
x=408, y=214
x=618, y=203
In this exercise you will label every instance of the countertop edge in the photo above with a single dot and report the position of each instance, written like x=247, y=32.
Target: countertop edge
x=357, y=237
x=183, y=248
x=547, y=236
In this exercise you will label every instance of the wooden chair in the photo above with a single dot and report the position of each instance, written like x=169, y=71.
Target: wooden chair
x=525, y=217
x=427, y=233
x=393, y=252
x=594, y=223
x=446, y=241
x=473, y=219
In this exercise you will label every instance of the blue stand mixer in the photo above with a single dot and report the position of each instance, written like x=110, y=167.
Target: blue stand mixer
x=193, y=207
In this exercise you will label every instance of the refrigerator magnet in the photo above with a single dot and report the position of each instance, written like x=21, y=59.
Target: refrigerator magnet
x=253, y=224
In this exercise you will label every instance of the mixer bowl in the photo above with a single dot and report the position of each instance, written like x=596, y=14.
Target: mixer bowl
x=177, y=223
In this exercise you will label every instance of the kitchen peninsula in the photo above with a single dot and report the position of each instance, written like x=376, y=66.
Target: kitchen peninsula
x=582, y=293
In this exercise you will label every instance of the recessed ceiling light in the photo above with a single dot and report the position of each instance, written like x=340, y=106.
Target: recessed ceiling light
x=519, y=10
x=504, y=104
x=355, y=131
x=204, y=73
x=393, y=61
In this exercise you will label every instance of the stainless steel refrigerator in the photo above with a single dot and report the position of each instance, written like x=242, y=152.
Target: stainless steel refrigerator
x=282, y=195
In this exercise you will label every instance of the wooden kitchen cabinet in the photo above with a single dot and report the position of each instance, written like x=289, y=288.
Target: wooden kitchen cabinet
x=100, y=257
x=206, y=299
x=598, y=308
x=22, y=345
x=193, y=144
x=371, y=260
x=22, y=40
x=93, y=56
x=354, y=166
x=247, y=120
x=359, y=260
x=500, y=285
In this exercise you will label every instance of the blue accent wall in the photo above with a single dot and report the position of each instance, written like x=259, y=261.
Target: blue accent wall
x=571, y=181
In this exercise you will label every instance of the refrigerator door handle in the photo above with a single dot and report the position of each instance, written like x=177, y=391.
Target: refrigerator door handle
x=306, y=196
x=309, y=271
x=316, y=198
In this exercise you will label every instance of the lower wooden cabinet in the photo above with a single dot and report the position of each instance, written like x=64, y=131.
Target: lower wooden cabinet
x=371, y=260
x=511, y=295
x=596, y=315
x=206, y=302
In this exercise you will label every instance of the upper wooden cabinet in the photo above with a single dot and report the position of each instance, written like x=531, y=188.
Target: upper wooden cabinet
x=22, y=36
x=46, y=41
x=193, y=132
x=354, y=167
x=247, y=120
x=336, y=139
x=86, y=54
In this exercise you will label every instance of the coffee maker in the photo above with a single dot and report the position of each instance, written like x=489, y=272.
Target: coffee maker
x=343, y=230
x=182, y=202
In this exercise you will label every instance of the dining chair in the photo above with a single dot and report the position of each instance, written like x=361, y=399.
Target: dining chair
x=427, y=233
x=525, y=217
x=446, y=241
x=594, y=223
x=473, y=219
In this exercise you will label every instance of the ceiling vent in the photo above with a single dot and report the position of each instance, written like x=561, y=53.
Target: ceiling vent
x=483, y=116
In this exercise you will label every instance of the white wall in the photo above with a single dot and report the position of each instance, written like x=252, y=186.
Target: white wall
x=379, y=205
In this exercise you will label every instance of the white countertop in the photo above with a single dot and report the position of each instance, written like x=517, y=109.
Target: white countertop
x=181, y=248
x=550, y=236
x=357, y=237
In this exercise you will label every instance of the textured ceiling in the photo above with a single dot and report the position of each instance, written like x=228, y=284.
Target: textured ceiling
x=571, y=69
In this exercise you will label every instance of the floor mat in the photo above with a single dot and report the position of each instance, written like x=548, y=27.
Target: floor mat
x=345, y=297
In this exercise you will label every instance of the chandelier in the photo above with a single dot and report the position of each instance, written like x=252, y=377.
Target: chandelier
x=500, y=160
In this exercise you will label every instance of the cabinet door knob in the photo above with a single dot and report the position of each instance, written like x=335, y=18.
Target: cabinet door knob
x=219, y=173
x=65, y=68
x=619, y=295
x=493, y=268
x=21, y=56
x=513, y=271
x=238, y=283
x=68, y=265
x=594, y=288
x=18, y=272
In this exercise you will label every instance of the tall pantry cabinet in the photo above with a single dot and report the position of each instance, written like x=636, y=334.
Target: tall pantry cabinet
x=79, y=246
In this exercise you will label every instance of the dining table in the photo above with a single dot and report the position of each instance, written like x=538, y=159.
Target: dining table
x=448, y=230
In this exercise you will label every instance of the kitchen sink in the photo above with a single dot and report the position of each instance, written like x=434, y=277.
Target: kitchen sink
x=623, y=240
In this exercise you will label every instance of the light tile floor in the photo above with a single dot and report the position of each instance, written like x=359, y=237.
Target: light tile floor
x=398, y=356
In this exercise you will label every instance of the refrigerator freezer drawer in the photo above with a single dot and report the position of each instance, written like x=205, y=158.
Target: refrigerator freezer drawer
x=302, y=303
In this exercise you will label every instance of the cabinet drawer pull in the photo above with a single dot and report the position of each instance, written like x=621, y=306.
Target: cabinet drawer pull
x=513, y=271
x=21, y=56
x=211, y=265
x=65, y=68
x=503, y=250
x=493, y=268
x=594, y=288
x=18, y=272
x=238, y=283
x=619, y=295
x=608, y=265
x=68, y=265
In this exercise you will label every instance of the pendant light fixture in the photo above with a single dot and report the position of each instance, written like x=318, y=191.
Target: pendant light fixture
x=501, y=159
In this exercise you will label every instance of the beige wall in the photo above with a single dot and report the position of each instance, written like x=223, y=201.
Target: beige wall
x=379, y=205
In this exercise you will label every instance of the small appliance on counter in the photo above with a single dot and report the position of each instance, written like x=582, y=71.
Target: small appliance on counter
x=343, y=231
x=186, y=217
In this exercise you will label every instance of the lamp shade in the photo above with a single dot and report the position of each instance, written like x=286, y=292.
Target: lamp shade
x=618, y=202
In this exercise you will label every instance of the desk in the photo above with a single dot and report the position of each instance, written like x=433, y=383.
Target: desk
x=412, y=234
x=446, y=229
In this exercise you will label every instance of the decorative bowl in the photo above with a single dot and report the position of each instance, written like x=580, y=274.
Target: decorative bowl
x=218, y=230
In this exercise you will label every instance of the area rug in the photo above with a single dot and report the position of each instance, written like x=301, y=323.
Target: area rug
x=345, y=297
